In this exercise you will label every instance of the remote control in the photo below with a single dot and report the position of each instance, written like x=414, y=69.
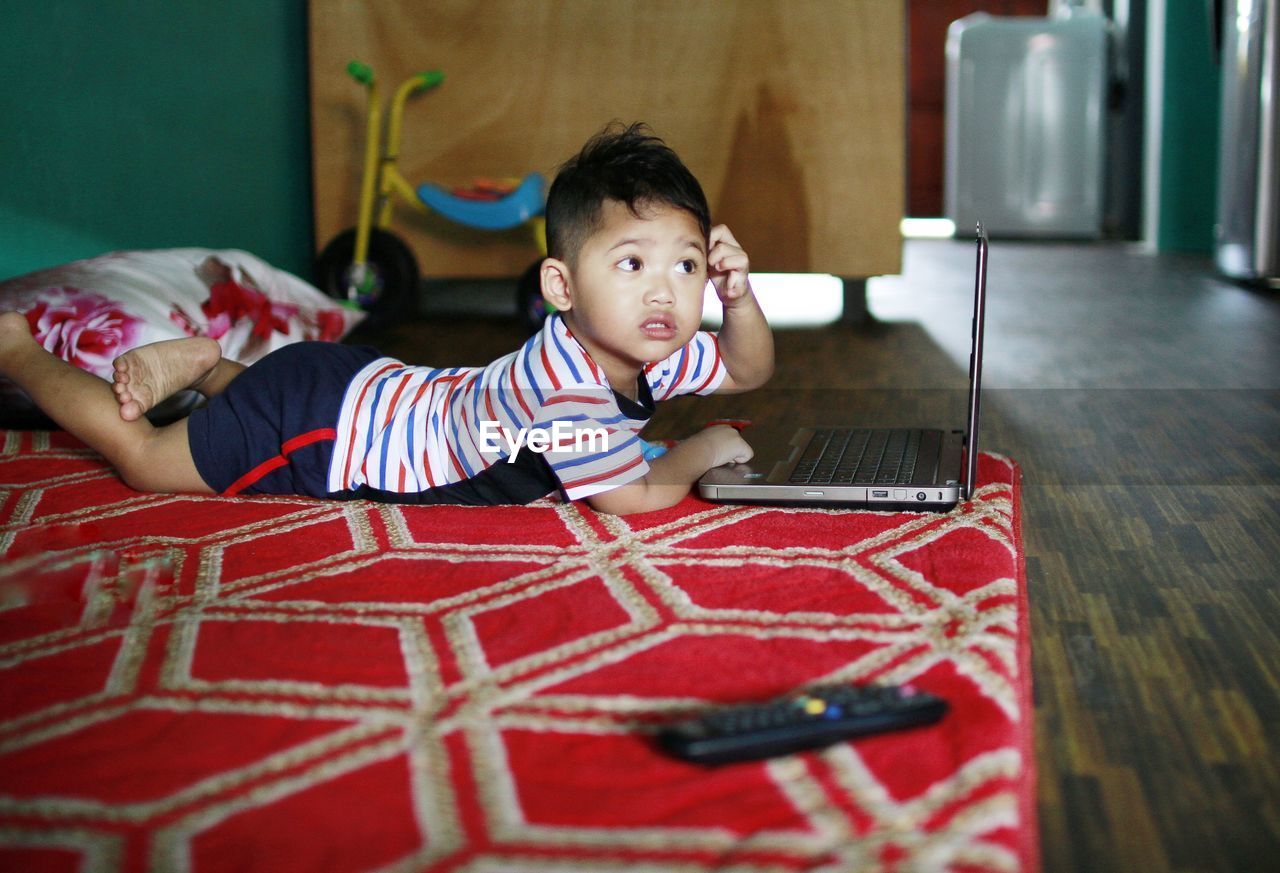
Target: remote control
x=818, y=717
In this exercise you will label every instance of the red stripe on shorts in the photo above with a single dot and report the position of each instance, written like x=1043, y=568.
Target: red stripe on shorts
x=290, y=446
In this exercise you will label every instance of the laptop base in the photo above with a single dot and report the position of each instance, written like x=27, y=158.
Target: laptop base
x=766, y=478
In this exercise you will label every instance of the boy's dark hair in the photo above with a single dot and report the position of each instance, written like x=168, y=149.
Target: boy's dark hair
x=628, y=164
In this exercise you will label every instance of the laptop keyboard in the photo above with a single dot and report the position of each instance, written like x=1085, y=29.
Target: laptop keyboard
x=857, y=456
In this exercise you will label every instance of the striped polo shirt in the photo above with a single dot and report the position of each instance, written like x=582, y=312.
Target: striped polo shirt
x=407, y=429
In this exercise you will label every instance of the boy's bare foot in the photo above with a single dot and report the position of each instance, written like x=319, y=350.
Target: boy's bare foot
x=149, y=374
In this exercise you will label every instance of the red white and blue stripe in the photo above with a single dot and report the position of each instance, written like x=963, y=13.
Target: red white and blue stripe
x=411, y=428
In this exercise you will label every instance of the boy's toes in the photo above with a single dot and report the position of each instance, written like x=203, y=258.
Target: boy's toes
x=131, y=410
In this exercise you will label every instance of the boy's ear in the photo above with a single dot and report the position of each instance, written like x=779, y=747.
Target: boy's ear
x=556, y=288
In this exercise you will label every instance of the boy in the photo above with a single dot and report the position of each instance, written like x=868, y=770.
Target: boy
x=630, y=252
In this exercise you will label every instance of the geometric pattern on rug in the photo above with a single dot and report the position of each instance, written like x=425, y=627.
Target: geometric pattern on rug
x=204, y=683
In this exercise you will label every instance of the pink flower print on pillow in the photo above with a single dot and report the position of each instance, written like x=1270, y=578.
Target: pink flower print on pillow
x=330, y=325
x=83, y=328
x=230, y=302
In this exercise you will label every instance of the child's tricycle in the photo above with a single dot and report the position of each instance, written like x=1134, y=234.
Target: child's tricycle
x=369, y=267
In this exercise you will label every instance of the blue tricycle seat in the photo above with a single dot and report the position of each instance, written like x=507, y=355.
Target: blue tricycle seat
x=511, y=210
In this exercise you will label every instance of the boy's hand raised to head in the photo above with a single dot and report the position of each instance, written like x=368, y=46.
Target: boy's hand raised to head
x=746, y=344
x=727, y=266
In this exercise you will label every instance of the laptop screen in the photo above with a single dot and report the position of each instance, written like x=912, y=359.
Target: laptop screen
x=975, y=366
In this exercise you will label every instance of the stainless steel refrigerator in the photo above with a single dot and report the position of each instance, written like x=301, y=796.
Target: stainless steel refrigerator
x=1247, y=244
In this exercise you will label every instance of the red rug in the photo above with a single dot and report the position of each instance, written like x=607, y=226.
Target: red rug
x=285, y=684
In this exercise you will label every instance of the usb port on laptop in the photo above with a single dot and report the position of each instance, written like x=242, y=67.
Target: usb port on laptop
x=879, y=493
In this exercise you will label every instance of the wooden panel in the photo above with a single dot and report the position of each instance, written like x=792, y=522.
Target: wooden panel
x=791, y=114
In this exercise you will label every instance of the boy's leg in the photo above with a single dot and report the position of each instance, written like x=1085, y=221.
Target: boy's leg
x=146, y=457
x=149, y=374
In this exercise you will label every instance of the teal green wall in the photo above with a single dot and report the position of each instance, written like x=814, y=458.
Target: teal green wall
x=1189, y=138
x=153, y=124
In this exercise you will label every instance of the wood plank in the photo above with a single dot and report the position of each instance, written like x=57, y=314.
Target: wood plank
x=791, y=115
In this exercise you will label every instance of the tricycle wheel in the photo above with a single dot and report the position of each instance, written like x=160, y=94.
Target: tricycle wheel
x=386, y=286
x=531, y=308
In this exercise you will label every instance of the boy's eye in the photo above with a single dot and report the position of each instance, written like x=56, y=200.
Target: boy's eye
x=630, y=263
x=687, y=266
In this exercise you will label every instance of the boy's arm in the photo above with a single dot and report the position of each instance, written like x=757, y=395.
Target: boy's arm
x=746, y=342
x=672, y=475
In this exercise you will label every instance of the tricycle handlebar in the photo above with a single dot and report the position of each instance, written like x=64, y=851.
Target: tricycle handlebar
x=430, y=79
x=362, y=73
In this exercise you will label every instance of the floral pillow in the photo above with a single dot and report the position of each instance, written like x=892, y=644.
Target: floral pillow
x=91, y=311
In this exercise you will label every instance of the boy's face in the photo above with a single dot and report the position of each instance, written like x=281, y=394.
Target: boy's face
x=636, y=293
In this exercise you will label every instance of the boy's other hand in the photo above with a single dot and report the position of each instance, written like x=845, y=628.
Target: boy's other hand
x=727, y=266
x=726, y=444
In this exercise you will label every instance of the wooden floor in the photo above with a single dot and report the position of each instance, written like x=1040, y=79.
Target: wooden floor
x=1141, y=397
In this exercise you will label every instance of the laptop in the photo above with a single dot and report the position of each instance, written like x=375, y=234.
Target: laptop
x=865, y=468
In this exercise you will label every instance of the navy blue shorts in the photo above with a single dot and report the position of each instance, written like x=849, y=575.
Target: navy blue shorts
x=272, y=430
